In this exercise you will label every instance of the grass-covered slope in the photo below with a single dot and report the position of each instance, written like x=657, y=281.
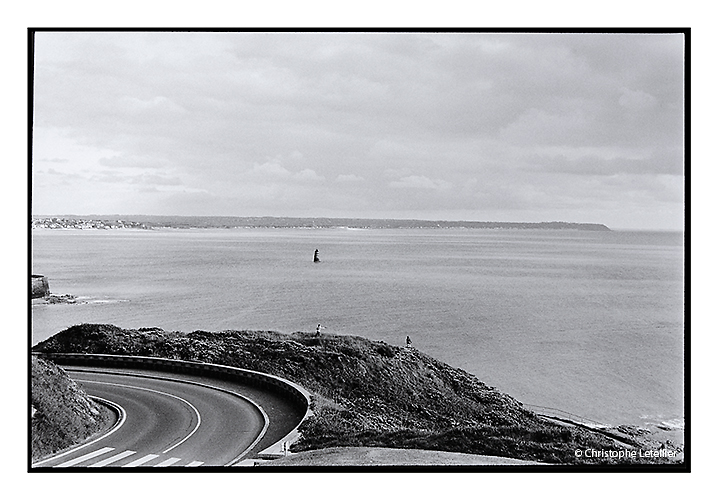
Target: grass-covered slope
x=62, y=414
x=366, y=393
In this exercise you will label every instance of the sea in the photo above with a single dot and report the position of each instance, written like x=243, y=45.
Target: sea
x=586, y=322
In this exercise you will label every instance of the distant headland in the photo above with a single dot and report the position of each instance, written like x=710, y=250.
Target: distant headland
x=227, y=222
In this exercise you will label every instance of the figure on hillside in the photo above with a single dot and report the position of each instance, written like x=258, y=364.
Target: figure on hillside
x=316, y=255
x=319, y=328
x=408, y=341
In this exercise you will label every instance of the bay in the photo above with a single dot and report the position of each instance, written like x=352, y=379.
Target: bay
x=588, y=322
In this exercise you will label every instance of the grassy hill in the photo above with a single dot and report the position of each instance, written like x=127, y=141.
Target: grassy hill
x=366, y=393
x=62, y=414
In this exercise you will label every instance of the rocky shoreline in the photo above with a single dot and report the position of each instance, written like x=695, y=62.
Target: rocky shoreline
x=40, y=292
x=58, y=299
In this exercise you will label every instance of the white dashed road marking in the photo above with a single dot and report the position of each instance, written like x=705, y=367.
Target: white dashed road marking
x=113, y=459
x=142, y=460
x=85, y=457
x=168, y=462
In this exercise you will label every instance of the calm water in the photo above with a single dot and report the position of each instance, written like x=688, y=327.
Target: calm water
x=591, y=323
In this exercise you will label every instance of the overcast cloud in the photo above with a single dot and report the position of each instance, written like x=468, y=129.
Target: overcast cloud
x=527, y=127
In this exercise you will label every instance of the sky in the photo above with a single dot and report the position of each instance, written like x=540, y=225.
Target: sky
x=445, y=126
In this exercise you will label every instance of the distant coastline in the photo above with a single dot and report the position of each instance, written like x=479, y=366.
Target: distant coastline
x=226, y=222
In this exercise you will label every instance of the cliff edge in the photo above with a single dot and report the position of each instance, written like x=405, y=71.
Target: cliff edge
x=366, y=393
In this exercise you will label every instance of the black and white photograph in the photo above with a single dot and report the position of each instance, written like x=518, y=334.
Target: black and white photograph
x=360, y=250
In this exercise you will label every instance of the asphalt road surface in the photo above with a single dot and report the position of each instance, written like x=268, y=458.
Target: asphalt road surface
x=168, y=422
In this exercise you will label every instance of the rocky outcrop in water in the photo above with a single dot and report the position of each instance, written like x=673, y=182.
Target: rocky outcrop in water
x=39, y=287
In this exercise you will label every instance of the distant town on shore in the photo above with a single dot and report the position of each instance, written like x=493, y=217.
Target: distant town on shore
x=189, y=222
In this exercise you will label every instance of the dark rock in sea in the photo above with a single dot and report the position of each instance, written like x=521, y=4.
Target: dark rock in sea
x=61, y=299
x=39, y=286
x=40, y=289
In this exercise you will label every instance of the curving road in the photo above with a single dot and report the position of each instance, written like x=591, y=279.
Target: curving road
x=168, y=421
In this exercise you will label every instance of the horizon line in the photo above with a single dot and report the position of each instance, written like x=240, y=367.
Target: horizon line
x=418, y=219
x=619, y=228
